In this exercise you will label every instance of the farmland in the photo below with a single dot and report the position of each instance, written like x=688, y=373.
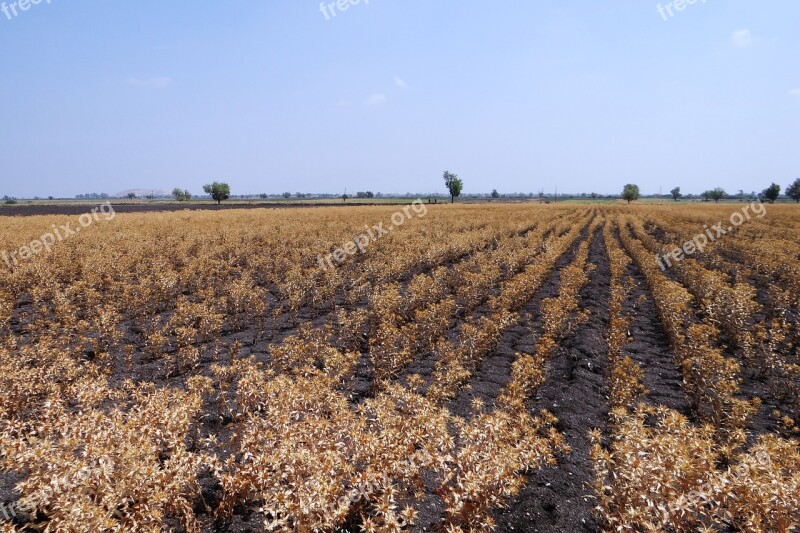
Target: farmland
x=471, y=367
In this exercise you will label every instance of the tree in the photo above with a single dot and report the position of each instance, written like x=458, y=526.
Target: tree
x=717, y=194
x=181, y=195
x=495, y=194
x=772, y=192
x=630, y=193
x=218, y=191
x=793, y=190
x=676, y=193
x=131, y=196
x=454, y=185
x=287, y=195
x=594, y=196
x=345, y=196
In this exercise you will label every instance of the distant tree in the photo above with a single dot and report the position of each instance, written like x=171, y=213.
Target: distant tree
x=287, y=195
x=218, y=191
x=361, y=194
x=717, y=194
x=263, y=196
x=300, y=194
x=630, y=193
x=345, y=196
x=793, y=190
x=594, y=196
x=676, y=193
x=131, y=196
x=181, y=195
x=370, y=194
x=454, y=185
x=495, y=194
x=50, y=198
x=772, y=192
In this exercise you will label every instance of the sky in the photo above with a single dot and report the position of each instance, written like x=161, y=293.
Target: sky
x=288, y=95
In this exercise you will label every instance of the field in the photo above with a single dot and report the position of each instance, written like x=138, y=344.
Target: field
x=387, y=368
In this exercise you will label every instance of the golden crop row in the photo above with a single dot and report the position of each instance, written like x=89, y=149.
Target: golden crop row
x=763, y=335
x=661, y=472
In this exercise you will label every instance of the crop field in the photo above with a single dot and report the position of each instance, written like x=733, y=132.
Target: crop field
x=402, y=368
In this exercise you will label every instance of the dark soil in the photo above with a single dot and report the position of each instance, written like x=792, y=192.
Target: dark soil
x=494, y=373
x=23, y=210
x=649, y=346
x=558, y=498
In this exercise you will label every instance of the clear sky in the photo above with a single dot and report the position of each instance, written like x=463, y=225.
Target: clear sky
x=519, y=95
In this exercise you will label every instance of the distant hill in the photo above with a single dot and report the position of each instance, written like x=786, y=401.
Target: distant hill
x=141, y=193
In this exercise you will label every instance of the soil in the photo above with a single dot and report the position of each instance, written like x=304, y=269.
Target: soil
x=558, y=498
x=24, y=210
x=649, y=346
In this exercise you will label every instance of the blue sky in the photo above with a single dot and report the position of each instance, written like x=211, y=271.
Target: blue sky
x=519, y=95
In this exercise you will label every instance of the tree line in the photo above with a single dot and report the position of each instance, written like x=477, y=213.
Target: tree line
x=631, y=193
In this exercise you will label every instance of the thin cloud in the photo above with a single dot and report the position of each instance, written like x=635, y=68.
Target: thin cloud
x=400, y=83
x=742, y=38
x=795, y=92
x=375, y=100
x=158, y=82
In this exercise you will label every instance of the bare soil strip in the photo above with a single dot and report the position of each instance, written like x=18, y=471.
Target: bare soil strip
x=649, y=346
x=558, y=498
x=494, y=373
